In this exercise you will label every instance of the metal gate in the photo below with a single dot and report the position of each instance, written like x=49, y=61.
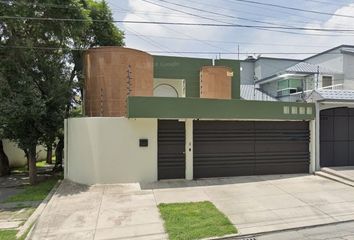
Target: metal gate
x=171, y=149
x=337, y=137
x=236, y=148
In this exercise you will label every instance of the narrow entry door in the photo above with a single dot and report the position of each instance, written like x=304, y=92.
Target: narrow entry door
x=171, y=149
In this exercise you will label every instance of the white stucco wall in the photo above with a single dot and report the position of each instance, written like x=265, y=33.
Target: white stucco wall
x=265, y=67
x=270, y=88
x=348, y=66
x=17, y=156
x=247, y=72
x=106, y=150
x=332, y=60
x=177, y=87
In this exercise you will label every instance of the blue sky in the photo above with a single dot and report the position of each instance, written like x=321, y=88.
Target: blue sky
x=168, y=39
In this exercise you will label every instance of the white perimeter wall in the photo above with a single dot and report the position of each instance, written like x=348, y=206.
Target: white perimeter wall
x=106, y=150
x=17, y=157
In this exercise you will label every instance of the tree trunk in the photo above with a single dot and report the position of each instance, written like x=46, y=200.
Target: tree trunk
x=59, y=155
x=27, y=157
x=32, y=168
x=49, y=154
x=4, y=162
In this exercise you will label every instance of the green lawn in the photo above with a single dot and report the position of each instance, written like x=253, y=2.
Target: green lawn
x=8, y=234
x=41, y=164
x=23, y=169
x=188, y=221
x=34, y=193
x=11, y=235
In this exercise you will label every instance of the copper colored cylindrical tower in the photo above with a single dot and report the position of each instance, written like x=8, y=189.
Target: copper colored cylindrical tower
x=111, y=75
x=215, y=82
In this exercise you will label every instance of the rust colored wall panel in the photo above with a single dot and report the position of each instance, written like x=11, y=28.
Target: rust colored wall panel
x=215, y=82
x=112, y=74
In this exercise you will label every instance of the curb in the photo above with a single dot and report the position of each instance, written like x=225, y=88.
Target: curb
x=253, y=236
x=30, y=223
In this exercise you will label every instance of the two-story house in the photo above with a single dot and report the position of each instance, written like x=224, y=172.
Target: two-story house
x=294, y=79
x=326, y=79
x=149, y=118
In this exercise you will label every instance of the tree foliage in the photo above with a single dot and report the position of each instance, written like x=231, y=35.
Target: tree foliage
x=40, y=76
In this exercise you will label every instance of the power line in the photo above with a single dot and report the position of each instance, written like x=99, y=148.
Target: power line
x=260, y=13
x=219, y=7
x=187, y=35
x=188, y=13
x=177, y=23
x=162, y=14
x=231, y=42
x=203, y=17
x=230, y=16
x=294, y=9
x=328, y=3
x=153, y=51
x=256, y=27
x=181, y=32
x=227, y=53
x=218, y=14
x=149, y=40
x=73, y=7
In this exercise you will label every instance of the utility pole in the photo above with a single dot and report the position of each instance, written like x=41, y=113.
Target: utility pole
x=317, y=77
x=238, y=51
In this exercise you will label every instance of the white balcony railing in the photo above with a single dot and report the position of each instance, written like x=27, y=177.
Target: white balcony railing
x=293, y=97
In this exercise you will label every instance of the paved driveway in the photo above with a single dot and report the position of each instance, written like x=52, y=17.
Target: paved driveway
x=254, y=204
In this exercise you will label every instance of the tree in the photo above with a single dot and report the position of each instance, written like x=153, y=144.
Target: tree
x=4, y=162
x=40, y=75
x=98, y=33
x=34, y=87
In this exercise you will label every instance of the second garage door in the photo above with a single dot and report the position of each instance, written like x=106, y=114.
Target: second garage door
x=337, y=137
x=236, y=148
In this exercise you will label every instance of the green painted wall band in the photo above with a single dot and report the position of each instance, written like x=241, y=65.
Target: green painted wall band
x=197, y=108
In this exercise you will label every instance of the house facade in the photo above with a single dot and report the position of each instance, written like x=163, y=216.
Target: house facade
x=150, y=118
x=327, y=80
x=293, y=79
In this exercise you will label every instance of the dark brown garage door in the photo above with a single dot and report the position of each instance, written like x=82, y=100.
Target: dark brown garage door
x=337, y=137
x=171, y=147
x=236, y=148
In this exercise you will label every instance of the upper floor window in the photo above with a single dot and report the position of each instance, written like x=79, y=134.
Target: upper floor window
x=327, y=81
x=288, y=86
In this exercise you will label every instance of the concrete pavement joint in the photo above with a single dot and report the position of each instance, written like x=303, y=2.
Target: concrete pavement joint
x=30, y=223
x=99, y=211
x=245, y=236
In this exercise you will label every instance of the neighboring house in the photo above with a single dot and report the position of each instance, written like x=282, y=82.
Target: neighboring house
x=150, y=118
x=293, y=80
x=254, y=69
x=17, y=156
x=326, y=79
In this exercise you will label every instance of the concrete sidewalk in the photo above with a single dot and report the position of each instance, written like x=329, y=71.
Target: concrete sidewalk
x=254, y=204
x=341, y=231
x=267, y=203
x=100, y=212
